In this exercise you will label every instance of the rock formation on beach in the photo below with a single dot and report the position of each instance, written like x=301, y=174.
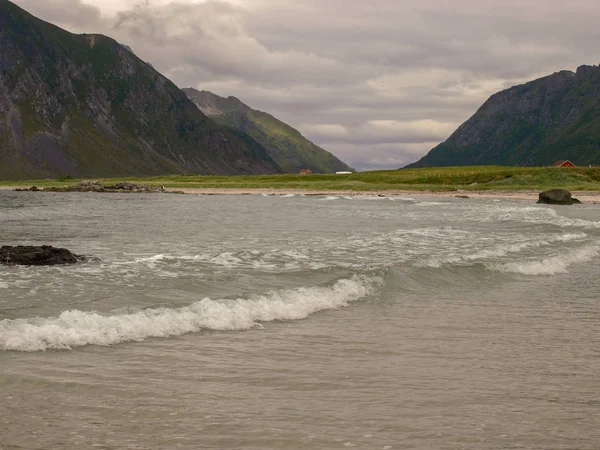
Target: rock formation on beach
x=557, y=197
x=286, y=146
x=97, y=186
x=535, y=124
x=85, y=106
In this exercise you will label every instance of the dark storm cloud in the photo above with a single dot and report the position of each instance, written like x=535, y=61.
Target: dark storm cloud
x=378, y=83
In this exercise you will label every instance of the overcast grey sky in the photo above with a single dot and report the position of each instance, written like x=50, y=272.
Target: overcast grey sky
x=377, y=82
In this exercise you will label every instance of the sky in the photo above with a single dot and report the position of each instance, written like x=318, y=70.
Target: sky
x=378, y=83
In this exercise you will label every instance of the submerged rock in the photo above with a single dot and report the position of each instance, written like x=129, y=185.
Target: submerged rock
x=557, y=197
x=45, y=255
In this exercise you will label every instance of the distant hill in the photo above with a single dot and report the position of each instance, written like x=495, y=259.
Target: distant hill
x=83, y=105
x=535, y=124
x=286, y=146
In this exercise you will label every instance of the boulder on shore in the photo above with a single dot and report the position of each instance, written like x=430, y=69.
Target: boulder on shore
x=557, y=197
x=29, y=255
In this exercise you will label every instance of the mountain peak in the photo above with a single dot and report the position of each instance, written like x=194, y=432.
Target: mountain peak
x=286, y=146
x=534, y=124
x=83, y=105
x=214, y=105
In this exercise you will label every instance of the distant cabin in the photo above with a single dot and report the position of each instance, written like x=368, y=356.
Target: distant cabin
x=565, y=163
x=305, y=172
x=343, y=173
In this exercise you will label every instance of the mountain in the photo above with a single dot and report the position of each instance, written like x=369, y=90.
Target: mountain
x=288, y=148
x=83, y=105
x=535, y=124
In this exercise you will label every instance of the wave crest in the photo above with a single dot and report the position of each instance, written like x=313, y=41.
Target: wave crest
x=78, y=328
x=552, y=265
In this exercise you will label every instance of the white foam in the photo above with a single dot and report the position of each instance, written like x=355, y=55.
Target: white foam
x=3, y=285
x=499, y=251
x=536, y=215
x=373, y=197
x=279, y=195
x=503, y=250
x=78, y=328
x=151, y=259
x=552, y=265
x=226, y=259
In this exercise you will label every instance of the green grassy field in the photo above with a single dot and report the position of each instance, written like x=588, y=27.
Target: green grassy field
x=435, y=179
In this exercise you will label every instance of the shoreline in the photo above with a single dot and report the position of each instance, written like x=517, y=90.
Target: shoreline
x=529, y=195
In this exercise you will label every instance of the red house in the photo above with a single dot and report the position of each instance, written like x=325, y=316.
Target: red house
x=306, y=172
x=565, y=163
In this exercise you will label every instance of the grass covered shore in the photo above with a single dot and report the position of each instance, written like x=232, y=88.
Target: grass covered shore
x=476, y=178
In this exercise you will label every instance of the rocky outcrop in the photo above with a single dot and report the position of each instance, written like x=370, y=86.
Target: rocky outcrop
x=534, y=124
x=285, y=145
x=85, y=106
x=44, y=255
x=97, y=186
x=557, y=197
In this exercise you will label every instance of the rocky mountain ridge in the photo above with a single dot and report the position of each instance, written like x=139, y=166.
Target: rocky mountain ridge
x=83, y=105
x=535, y=124
x=284, y=144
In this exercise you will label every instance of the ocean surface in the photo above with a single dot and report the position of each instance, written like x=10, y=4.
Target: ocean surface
x=300, y=322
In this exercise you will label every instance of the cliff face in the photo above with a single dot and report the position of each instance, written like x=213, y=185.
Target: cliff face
x=538, y=123
x=286, y=146
x=83, y=105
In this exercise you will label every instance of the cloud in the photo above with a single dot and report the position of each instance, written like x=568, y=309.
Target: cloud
x=65, y=13
x=378, y=83
x=376, y=132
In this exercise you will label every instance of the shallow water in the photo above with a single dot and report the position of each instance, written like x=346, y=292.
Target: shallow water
x=267, y=322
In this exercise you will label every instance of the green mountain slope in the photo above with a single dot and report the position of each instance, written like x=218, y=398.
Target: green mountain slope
x=288, y=148
x=83, y=105
x=535, y=124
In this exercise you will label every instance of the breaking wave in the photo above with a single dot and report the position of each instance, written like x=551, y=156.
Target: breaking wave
x=500, y=250
x=79, y=328
x=552, y=265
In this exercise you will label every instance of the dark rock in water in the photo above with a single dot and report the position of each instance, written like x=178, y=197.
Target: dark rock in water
x=557, y=197
x=28, y=255
x=461, y=196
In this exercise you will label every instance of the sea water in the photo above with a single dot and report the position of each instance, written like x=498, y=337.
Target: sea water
x=300, y=322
